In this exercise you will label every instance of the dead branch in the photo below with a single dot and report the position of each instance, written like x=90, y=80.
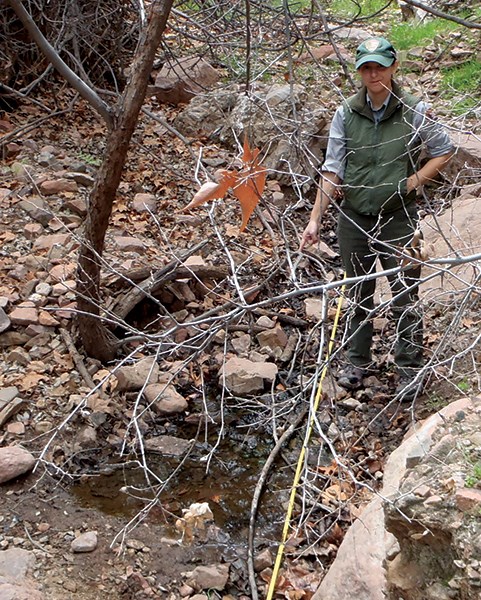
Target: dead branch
x=443, y=15
x=52, y=55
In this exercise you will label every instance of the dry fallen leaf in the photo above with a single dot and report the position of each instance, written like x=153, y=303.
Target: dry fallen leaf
x=247, y=185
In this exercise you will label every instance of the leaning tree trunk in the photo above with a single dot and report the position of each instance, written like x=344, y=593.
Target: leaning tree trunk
x=97, y=341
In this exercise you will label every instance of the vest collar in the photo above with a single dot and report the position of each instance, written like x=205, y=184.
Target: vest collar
x=360, y=104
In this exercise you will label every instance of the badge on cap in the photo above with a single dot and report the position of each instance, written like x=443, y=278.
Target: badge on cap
x=372, y=44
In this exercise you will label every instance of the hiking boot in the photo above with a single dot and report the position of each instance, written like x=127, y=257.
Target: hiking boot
x=351, y=377
x=410, y=384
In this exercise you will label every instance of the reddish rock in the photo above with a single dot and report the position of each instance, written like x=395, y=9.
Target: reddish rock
x=180, y=81
x=46, y=242
x=47, y=319
x=129, y=244
x=32, y=230
x=210, y=577
x=134, y=377
x=67, y=311
x=24, y=315
x=468, y=499
x=273, y=338
x=77, y=206
x=63, y=272
x=63, y=287
x=57, y=186
x=12, y=149
x=165, y=399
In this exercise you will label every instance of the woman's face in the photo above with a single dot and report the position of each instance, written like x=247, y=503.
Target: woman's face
x=377, y=78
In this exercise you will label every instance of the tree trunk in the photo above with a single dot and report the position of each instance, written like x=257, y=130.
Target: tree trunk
x=97, y=341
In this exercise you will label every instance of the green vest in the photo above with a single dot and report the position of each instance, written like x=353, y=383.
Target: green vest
x=379, y=157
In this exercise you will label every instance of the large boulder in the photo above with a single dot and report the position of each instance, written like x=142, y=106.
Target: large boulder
x=455, y=234
x=418, y=539
x=181, y=80
x=290, y=129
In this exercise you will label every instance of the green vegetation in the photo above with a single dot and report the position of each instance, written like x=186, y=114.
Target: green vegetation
x=89, y=159
x=462, y=84
x=435, y=401
x=474, y=479
x=411, y=34
x=464, y=385
x=294, y=6
x=356, y=8
x=464, y=78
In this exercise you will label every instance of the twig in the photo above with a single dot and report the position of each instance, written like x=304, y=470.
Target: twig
x=77, y=358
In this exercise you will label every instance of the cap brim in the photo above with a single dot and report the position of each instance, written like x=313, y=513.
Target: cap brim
x=381, y=60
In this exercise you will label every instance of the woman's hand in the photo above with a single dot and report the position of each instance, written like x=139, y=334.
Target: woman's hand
x=310, y=235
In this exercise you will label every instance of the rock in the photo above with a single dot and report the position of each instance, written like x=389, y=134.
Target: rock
x=265, y=321
x=77, y=206
x=15, y=563
x=241, y=344
x=134, y=377
x=7, y=395
x=47, y=242
x=179, y=81
x=168, y=445
x=226, y=114
x=16, y=428
x=206, y=114
x=87, y=437
x=15, y=566
x=209, y=577
x=37, y=208
x=24, y=315
x=20, y=591
x=314, y=308
x=263, y=560
x=468, y=500
x=57, y=186
x=47, y=319
x=129, y=244
x=243, y=376
x=4, y=321
x=32, y=231
x=144, y=203
x=456, y=230
x=359, y=570
x=165, y=399
x=275, y=339
x=14, y=461
x=62, y=272
x=186, y=590
x=85, y=542
x=81, y=178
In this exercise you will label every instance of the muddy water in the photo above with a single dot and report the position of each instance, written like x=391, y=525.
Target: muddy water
x=228, y=486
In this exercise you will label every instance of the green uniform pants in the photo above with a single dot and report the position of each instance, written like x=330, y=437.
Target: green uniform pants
x=359, y=240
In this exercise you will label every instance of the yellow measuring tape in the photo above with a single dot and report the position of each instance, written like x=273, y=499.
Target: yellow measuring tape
x=297, y=476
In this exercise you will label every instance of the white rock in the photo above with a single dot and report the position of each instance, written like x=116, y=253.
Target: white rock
x=85, y=542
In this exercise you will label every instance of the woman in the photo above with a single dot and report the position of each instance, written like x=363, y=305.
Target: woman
x=372, y=159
